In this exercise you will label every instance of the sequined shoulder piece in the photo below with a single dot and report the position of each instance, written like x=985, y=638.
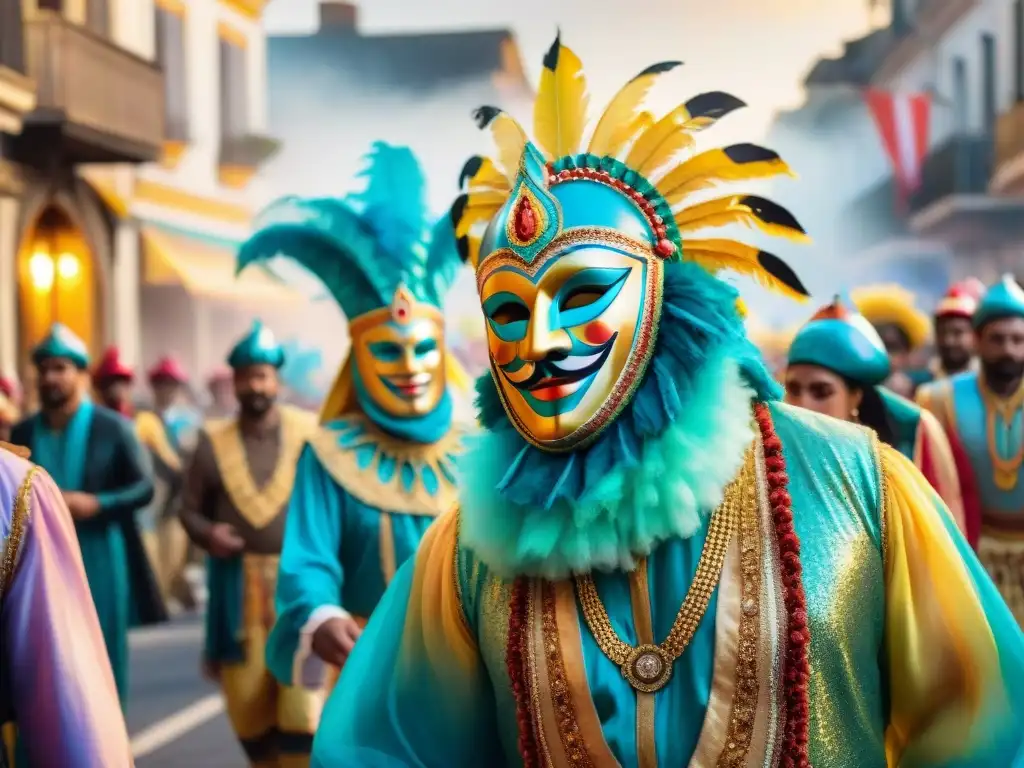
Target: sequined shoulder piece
x=10, y=547
x=386, y=472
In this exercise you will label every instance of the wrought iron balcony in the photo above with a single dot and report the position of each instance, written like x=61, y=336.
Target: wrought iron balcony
x=961, y=166
x=1009, y=165
x=95, y=102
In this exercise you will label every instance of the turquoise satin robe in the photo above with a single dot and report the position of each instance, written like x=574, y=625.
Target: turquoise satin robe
x=98, y=439
x=339, y=549
x=429, y=682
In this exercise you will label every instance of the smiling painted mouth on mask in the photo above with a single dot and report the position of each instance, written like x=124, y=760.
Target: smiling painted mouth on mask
x=554, y=380
x=408, y=387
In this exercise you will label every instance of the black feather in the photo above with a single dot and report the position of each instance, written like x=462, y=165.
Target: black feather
x=551, y=57
x=771, y=213
x=484, y=116
x=781, y=271
x=458, y=209
x=661, y=66
x=742, y=154
x=714, y=104
x=462, y=245
x=470, y=169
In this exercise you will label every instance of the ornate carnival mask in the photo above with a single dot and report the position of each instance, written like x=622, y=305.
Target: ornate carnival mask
x=399, y=357
x=570, y=307
x=570, y=242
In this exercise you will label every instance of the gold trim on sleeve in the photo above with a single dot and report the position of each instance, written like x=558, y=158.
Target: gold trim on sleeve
x=20, y=513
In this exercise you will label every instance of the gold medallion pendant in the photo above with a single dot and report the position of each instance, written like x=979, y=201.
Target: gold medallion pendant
x=648, y=668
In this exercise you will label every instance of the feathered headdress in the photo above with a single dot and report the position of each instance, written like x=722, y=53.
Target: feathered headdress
x=638, y=154
x=365, y=246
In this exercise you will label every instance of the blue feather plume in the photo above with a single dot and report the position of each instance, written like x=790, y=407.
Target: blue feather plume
x=364, y=245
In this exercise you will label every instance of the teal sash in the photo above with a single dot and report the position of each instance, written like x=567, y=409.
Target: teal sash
x=63, y=454
x=224, y=629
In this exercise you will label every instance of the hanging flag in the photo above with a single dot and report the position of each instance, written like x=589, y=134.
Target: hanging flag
x=903, y=122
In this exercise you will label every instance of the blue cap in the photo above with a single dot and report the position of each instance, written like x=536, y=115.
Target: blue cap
x=258, y=347
x=841, y=340
x=1004, y=299
x=62, y=342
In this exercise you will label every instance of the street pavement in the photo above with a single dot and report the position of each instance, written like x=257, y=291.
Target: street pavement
x=175, y=717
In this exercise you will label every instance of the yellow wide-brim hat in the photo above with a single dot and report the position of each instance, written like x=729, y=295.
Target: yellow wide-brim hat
x=894, y=305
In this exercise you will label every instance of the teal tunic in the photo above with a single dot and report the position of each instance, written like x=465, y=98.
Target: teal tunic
x=340, y=547
x=96, y=439
x=429, y=684
x=969, y=415
x=905, y=418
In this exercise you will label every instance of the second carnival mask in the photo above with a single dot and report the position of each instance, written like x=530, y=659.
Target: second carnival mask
x=399, y=358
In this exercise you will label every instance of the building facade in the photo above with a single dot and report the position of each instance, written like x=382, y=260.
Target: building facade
x=98, y=101
x=965, y=218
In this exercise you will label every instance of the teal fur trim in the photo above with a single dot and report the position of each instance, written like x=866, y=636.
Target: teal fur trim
x=702, y=377
x=675, y=482
x=364, y=246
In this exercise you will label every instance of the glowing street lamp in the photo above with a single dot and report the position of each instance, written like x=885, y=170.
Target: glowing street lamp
x=41, y=271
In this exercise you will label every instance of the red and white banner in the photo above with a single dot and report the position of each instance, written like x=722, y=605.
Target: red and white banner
x=903, y=122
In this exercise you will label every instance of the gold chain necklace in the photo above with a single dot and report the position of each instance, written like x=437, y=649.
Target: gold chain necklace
x=649, y=667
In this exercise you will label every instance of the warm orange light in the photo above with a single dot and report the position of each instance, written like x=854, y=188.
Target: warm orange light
x=41, y=269
x=68, y=266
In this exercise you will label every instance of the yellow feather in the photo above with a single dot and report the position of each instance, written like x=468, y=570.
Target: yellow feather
x=666, y=152
x=480, y=206
x=560, y=112
x=489, y=177
x=724, y=211
x=715, y=255
x=619, y=125
x=510, y=138
x=703, y=170
x=648, y=143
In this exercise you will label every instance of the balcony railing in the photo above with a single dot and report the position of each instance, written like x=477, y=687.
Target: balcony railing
x=961, y=166
x=107, y=103
x=1010, y=135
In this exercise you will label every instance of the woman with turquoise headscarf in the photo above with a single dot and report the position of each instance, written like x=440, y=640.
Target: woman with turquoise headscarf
x=381, y=468
x=837, y=364
x=653, y=560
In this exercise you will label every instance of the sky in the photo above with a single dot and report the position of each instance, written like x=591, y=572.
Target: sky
x=757, y=49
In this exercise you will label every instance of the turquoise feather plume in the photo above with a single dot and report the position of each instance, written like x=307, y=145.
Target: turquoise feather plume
x=365, y=245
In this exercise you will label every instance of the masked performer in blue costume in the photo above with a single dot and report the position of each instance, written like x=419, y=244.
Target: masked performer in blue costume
x=95, y=458
x=381, y=468
x=983, y=413
x=837, y=363
x=654, y=561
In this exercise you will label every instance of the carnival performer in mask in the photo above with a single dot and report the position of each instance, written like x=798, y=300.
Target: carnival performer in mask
x=836, y=365
x=57, y=684
x=95, y=458
x=382, y=466
x=236, y=495
x=652, y=554
x=983, y=413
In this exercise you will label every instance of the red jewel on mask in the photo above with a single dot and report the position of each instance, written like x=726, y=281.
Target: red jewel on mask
x=525, y=220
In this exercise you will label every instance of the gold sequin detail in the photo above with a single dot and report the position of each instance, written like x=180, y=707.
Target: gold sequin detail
x=723, y=525
x=745, y=693
x=565, y=711
x=19, y=518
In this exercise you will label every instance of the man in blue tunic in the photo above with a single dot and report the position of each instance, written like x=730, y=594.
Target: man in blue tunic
x=381, y=468
x=94, y=457
x=983, y=414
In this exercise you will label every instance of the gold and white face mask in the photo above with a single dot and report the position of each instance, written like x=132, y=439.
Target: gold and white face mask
x=570, y=332
x=399, y=356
